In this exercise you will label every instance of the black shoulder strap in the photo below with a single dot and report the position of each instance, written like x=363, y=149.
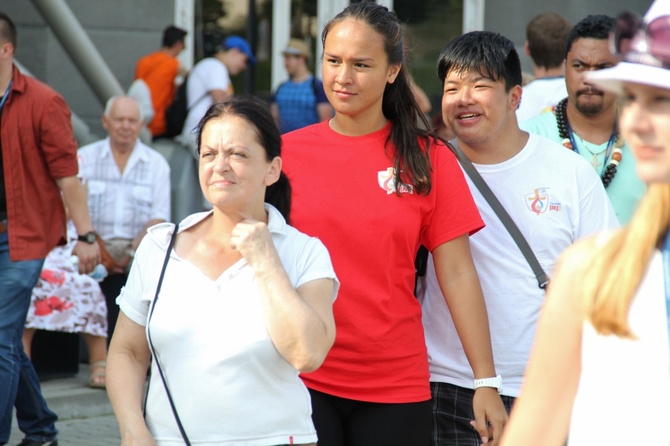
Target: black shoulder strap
x=151, y=344
x=512, y=228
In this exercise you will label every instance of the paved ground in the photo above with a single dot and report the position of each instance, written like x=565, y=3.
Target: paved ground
x=100, y=430
x=85, y=414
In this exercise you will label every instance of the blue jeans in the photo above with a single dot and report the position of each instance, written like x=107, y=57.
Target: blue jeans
x=19, y=385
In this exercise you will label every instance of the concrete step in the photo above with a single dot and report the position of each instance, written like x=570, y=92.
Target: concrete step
x=85, y=416
x=70, y=397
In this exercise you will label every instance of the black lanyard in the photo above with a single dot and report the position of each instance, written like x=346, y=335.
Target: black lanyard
x=608, y=151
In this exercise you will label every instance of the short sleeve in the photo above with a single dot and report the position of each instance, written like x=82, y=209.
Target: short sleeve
x=57, y=139
x=134, y=308
x=455, y=212
x=315, y=264
x=136, y=295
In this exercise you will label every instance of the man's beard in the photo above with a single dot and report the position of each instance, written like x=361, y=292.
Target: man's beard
x=589, y=108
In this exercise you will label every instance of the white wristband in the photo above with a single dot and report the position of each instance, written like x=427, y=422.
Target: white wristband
x=489, y=382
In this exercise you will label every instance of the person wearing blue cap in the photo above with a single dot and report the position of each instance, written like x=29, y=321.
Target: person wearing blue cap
x=209, y=82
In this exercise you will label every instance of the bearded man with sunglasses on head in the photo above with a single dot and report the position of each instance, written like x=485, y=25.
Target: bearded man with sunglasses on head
x=586, y=120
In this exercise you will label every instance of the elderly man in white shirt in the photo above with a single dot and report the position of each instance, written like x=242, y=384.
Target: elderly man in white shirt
x=128, y=190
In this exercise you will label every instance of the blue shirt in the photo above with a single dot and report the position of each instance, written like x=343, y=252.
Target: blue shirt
x=297, y=102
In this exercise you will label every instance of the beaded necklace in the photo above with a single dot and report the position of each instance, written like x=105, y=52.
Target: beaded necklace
x=613, y=151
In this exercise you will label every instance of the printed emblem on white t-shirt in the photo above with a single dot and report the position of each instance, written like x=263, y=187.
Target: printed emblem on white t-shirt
x=539, y=201
x=386, y=180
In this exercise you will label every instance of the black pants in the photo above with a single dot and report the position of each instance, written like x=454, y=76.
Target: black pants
x=452, y=413
x=111, y=287
x=344, y=422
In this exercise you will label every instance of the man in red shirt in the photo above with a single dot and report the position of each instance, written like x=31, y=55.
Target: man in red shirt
x=38, y=166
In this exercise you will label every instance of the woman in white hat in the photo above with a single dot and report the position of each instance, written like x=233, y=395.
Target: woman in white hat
x=600, y=370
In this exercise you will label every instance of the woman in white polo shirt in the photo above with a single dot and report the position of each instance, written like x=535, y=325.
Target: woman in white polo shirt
x=245, y=304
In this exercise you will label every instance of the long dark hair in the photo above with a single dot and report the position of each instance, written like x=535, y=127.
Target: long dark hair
x=411, y=162
x=257, y=115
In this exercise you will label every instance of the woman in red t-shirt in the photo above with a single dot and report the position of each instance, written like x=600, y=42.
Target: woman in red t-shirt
x=374, y=186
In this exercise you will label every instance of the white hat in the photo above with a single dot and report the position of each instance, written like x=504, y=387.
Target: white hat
x=612, y=78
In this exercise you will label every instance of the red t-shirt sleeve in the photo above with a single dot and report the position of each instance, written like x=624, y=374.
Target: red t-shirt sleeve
x=455, y=212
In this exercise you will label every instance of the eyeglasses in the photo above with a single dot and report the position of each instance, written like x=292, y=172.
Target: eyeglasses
x=639, y=42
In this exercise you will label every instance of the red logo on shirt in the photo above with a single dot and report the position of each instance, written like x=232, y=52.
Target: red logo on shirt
x=386, y=180
x=538, y=201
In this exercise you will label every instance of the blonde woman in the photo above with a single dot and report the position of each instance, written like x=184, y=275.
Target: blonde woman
x=599, y=373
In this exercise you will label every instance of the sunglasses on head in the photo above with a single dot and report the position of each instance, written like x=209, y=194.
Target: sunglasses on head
x=639, y=42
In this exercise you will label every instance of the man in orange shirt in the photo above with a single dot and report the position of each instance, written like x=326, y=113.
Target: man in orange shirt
x=159, y=70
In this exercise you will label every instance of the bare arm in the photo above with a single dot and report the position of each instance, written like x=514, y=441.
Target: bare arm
x=460, y=286
x=74, y=198
x=300, y=322
x=127, y=364
x=552, y=376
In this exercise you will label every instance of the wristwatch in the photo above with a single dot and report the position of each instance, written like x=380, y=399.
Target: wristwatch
x=89, y=237
x=489, y=382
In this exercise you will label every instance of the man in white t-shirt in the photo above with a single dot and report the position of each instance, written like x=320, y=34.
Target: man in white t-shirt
x=209, y=82
x=552, y=194
x=546, y=38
